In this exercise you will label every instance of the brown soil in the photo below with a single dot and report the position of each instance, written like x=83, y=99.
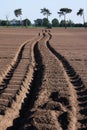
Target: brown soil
x=43, y=84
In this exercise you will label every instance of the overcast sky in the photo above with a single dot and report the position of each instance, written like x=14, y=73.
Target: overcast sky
x=31, y=8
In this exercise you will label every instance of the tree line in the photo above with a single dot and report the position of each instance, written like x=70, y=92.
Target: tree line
x=45, y=21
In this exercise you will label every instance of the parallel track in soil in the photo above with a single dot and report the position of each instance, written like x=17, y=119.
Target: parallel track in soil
x=79, y=88
x=56, y=96
x=15, y=83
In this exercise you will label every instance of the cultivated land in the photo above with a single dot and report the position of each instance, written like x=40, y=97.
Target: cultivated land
x=43, y=79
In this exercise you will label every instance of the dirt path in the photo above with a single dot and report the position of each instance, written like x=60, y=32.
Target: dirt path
x=79, y=88
x=50, y=103
x=15, y=83
x=54, y=95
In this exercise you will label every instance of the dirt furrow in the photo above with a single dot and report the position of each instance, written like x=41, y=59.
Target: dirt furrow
x=32, y=93
x=56, y=96
x=79, y=88
x=16, y=85
x=49, y=102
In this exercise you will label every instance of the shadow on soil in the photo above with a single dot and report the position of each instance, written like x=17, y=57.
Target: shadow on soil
x=78, y=86
x=25, y=112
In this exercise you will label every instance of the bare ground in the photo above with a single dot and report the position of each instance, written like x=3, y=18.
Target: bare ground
x=46, y=83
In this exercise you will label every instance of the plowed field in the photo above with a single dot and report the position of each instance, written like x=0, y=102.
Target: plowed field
x=43, y=79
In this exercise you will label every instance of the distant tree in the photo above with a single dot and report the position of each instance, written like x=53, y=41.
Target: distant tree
x=3, y=23
x=64, y=11
x=70, y=23
x=55, y=22
x=7, y=20
x=0, y=22
x=38, y=22
x=26, y=22
x=18, y=12
x=62, y=23
x=78, y=25
x=81, y=13
x=46, y=12
x=45, y=22
x=85, y=24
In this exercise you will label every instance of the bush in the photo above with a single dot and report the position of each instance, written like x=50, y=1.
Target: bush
x=55, y=23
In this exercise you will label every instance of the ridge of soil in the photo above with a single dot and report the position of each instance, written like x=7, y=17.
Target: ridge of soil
x=44, y=88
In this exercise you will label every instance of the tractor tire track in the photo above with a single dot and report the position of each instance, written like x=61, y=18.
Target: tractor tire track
x=49, y=103
x=78, y=86
x=56, y=99
x=53, y=107
x=32, y=93
x=17, y=84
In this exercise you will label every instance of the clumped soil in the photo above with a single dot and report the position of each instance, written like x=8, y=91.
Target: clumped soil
x=46, y=83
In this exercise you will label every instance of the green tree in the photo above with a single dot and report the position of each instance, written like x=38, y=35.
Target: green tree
x=64, y=11
x=3, y=23
x=18, y=12
x=81, y=13
x=55, y=22
x=26, y=22
x=62, y=23
x=7, y=20
x=46, y=12
x=38, y=22
x=70, y=23
x=45, y=22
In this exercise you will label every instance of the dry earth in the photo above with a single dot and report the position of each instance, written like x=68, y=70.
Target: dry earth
x=43, y=79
